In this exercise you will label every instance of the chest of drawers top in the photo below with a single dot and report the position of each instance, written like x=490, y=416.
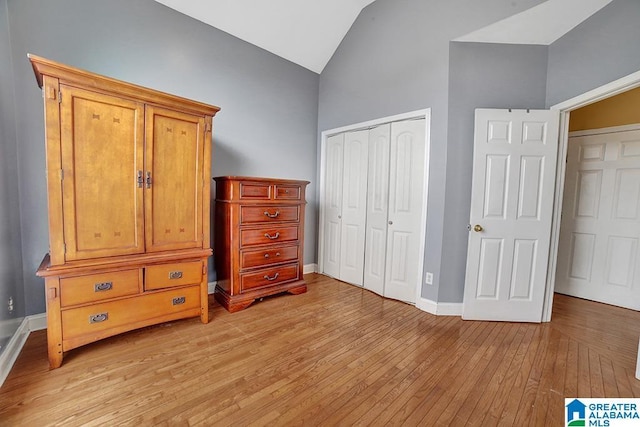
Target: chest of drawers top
x=247, y=190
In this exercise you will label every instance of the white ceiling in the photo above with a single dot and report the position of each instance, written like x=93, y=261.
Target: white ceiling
x=307, y=32
x=542, y=24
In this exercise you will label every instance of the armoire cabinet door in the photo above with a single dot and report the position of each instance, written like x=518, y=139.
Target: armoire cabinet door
x=102, y=139
x=173, y=177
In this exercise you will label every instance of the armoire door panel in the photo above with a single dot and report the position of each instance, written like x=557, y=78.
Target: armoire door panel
x=102, y=154
x=173, y=171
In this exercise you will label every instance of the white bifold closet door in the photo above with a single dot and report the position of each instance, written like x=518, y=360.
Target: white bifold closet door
x=346, y=198
x=374, y=197
x=394, y=209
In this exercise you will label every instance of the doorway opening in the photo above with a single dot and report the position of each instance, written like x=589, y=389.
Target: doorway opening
x=609, y=90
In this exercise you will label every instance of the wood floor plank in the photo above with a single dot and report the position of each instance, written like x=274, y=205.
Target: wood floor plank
x=479, y=401
x=337, y=355
x=485, y=383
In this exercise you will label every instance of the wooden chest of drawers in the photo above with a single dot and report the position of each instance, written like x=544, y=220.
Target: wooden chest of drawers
x=259, y=236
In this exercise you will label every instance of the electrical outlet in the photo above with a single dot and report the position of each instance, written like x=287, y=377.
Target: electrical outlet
x=10, y=305
x=428, y=278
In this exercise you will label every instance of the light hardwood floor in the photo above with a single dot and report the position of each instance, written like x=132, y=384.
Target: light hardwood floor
x=337, y=355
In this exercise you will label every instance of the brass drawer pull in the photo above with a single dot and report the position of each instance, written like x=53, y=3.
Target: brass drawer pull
x=271, y=278
x=175, y=275
x=97, y=318
x=104, y=286
x=275, y=215
x=178, y=300
x=274, y=237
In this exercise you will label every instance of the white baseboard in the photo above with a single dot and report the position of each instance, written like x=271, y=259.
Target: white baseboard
x=310, y=268
x=37, y=322
x=212, y=287
x=10, y=354
x=440, y=308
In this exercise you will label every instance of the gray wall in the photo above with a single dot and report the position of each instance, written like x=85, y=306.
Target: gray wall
x=395, y=59
x=602, y=49
x=480, y=76
x=10, y=258
x=268, y=122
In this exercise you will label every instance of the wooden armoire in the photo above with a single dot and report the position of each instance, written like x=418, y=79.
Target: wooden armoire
x=128, y=184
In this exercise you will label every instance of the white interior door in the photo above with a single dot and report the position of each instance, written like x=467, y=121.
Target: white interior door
x=333, y=205
x=354, y=206
x=406, y=198
x=377, y=209
x=599, y=257
x=514, y=164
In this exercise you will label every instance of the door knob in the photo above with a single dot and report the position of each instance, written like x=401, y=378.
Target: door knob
x=390, y=222
x=339, y=216
x=477, y=228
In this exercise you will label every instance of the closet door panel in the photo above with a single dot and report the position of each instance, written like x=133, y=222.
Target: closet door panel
x=377, y=208
x=354, y=202
x=406, y=192
x=333, y=204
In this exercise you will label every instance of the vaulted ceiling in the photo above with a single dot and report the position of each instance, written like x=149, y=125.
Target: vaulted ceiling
x=307, y=32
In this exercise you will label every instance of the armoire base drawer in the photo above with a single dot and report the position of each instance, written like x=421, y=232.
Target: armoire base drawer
x=90, y=323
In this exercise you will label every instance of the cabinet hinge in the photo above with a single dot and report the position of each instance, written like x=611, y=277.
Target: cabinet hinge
x=64, y=246
x=61, y=174
x=59, y=97
x=204, y=270
x=207, y=127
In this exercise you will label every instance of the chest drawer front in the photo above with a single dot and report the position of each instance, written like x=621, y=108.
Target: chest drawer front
x=262, y=236
x=170, y=275
x=269, y=277
x=266, y=214
x=98, y=287
x=254, y=191
x=264, y=257
x=287, y=192
x=119, y=314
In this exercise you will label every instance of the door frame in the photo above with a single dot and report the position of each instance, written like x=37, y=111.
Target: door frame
x=613, y=88
x=411, y=115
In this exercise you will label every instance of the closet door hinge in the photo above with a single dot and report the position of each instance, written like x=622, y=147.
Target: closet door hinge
x=59, y=97
x=61, y=174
